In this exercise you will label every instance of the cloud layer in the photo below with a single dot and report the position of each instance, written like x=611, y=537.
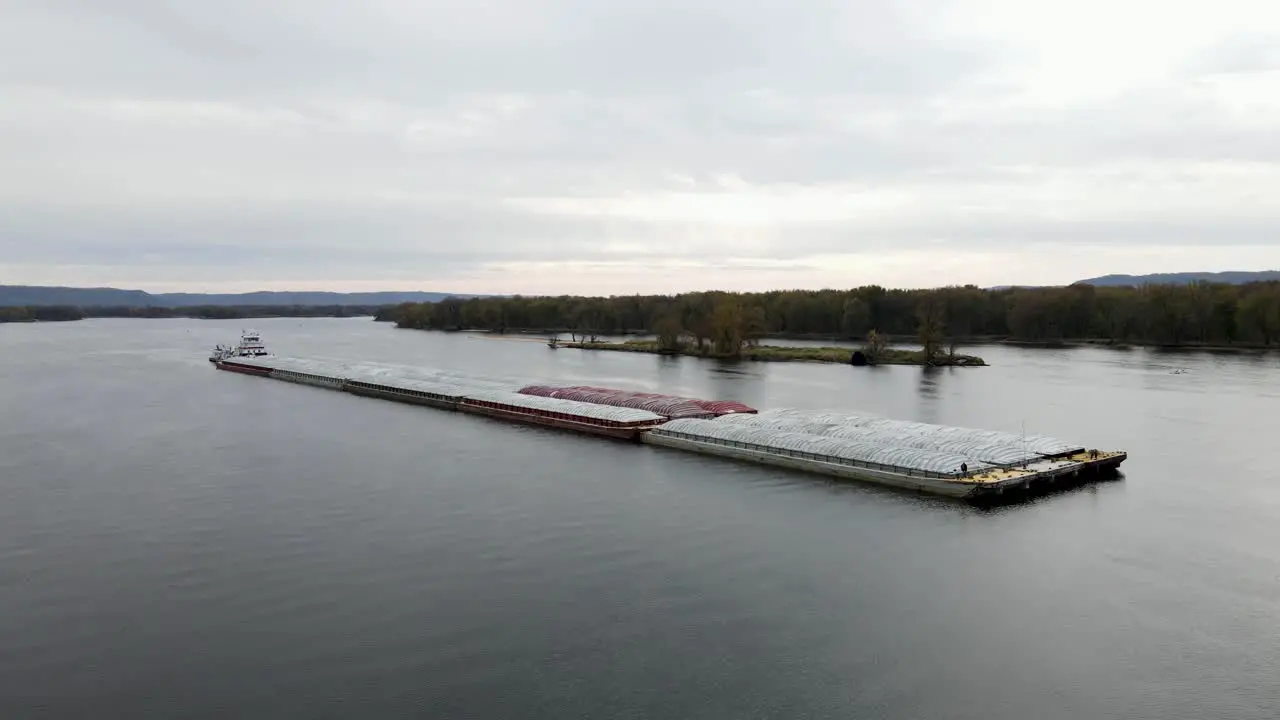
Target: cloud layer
x=576, y=146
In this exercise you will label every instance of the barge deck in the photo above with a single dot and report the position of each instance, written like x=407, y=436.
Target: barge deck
x=941, y=461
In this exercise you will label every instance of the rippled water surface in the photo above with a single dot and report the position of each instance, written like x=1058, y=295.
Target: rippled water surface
x=180, y=542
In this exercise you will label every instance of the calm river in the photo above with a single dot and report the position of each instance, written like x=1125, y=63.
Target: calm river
x=178, y=542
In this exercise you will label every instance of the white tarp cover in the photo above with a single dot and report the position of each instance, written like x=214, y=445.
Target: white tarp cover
x=976, y=447
x=1038, y=444
x=904, y=458
x=381, y=374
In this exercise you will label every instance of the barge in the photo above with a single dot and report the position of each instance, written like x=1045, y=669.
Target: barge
x=241, y=366
x=443, y=397
x=443, y=390
x=978, y=465
x=605, y=420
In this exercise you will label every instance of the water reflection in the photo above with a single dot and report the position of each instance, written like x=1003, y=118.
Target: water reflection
x=733, y=367
x=670, y=371
x=927, y=387
x=1093, y=492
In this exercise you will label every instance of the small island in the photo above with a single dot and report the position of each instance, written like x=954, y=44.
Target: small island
x=734, y=333
x=791, y=353
x=725, y=326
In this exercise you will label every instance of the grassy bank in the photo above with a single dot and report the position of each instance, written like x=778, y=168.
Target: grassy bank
x=779, y=353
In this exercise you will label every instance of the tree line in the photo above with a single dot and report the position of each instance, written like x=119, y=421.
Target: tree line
x=53, y=313
x=46, y=313
x=1172, y=315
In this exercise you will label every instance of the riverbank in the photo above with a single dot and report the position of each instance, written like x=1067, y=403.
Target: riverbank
x=782, y=353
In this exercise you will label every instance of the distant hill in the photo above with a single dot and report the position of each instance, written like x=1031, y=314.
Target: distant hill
x=15, y=295
x=1229, y=278
x=301, y=298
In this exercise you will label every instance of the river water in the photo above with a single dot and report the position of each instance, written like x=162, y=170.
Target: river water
x=179, y=542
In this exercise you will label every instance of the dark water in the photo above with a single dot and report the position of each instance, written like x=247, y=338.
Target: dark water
x=178, y=542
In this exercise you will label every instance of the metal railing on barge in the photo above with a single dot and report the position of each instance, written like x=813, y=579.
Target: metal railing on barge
x=406, y=392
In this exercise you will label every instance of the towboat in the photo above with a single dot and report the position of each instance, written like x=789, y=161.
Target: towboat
x=250, y=346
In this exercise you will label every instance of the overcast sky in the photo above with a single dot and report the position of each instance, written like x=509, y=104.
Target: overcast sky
x=617, y=146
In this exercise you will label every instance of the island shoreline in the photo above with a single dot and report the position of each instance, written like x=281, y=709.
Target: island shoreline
x=785, y=353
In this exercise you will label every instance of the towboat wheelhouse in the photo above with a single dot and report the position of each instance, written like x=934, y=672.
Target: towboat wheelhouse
x=250, y=345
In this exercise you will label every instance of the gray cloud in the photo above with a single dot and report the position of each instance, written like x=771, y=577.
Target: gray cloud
x=331, y=142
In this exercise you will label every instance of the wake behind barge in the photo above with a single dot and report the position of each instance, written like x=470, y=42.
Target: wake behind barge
x=978, y=465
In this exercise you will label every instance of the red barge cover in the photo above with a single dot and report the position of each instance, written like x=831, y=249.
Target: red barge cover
x=671, y=406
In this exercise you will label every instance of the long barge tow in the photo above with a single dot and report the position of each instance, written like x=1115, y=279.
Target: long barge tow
x=981, y=466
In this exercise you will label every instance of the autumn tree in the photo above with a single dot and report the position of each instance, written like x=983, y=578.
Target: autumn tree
x=668, y=330
x=695, y=318
x=875, y=347
x=932, y=316
x=14, y=314
x=1260, y=312
x=855, y=318
x=755, y=325
x=728, y=327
